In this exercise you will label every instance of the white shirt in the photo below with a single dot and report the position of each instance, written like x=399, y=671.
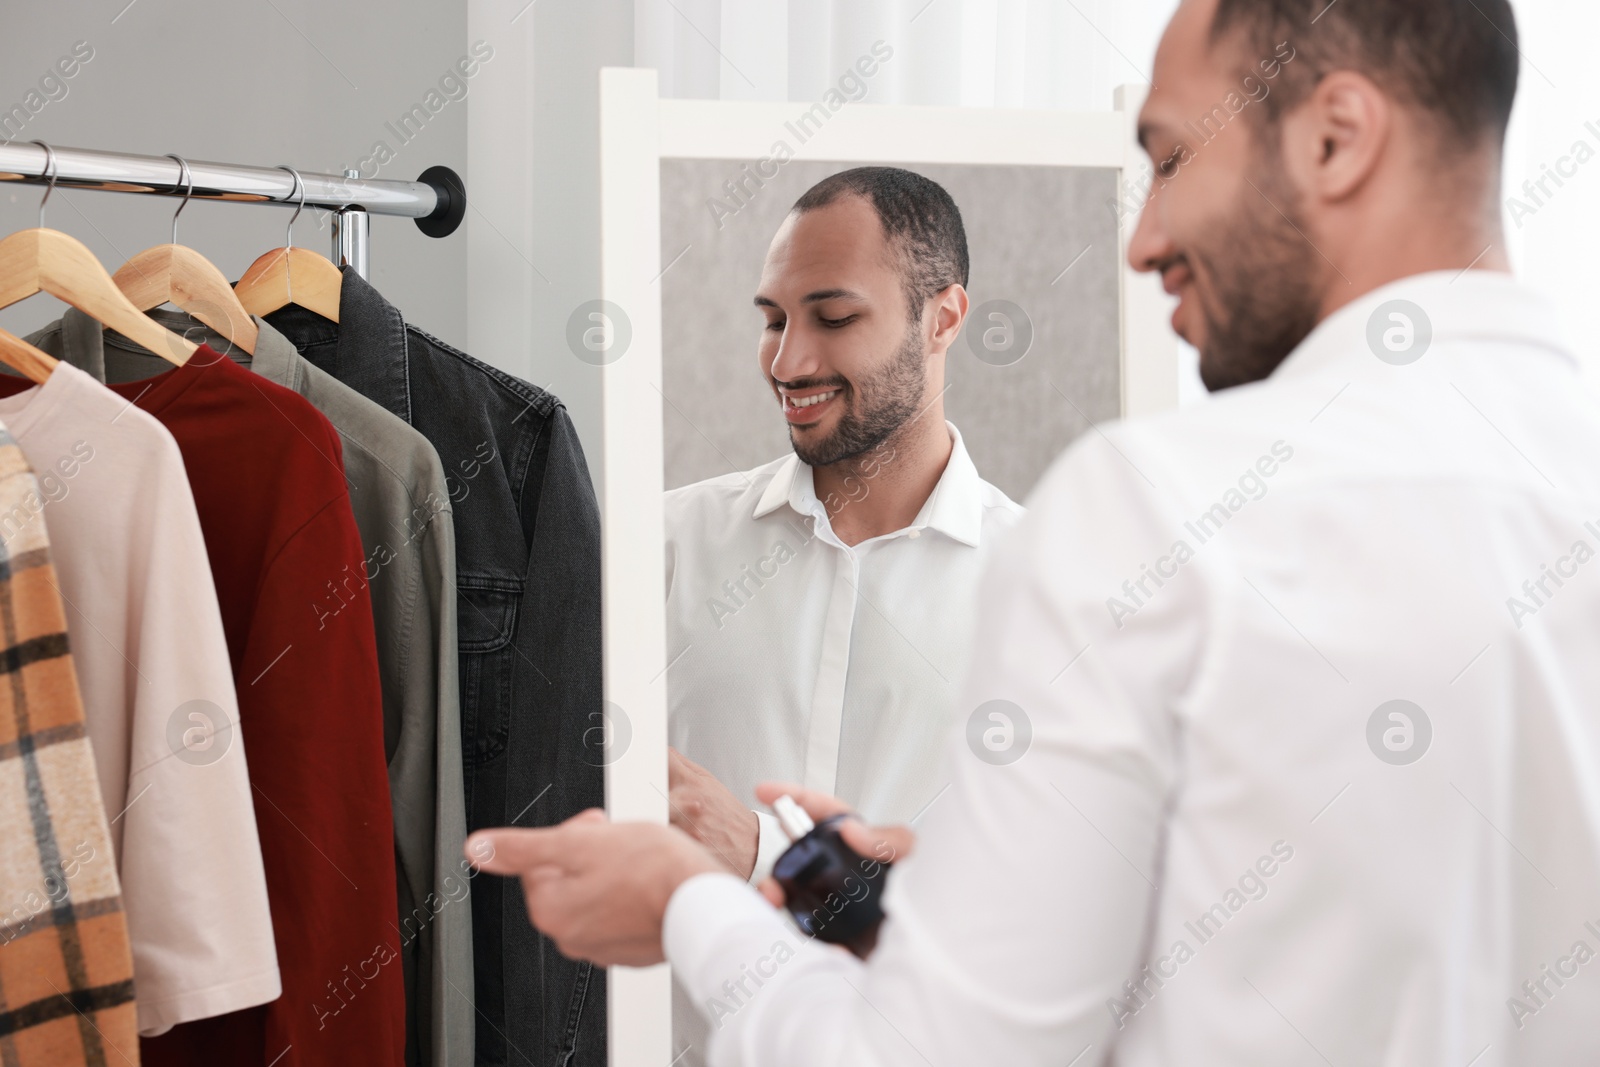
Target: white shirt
x=796, y=657
x=1213, y=804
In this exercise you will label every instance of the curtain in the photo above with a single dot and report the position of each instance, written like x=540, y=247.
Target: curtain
x=1552, y=175
x=977, y=53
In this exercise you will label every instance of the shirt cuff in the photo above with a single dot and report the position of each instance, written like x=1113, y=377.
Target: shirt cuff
x=771, y=842
x=713, y=923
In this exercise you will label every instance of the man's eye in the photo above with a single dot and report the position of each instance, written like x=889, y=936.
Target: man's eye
x=1168, y=168
x=776, y=327
x=834, y=324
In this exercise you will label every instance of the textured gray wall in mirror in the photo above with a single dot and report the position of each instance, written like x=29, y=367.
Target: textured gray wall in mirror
x=1042, y=238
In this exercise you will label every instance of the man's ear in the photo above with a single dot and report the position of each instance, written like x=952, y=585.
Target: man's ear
x=949, y=312
x=1337, y=138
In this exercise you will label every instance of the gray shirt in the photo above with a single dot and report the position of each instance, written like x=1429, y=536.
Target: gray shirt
x=402, y=508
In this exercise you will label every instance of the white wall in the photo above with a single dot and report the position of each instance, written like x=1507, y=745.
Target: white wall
x=534, y=230
x=310, y=83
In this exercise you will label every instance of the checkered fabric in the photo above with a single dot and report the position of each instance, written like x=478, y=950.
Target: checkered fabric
x=66, y=972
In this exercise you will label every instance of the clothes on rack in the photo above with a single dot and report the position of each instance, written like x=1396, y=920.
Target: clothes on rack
x=268, y=481
x=528, y=578
x=396, y=548
x=159, y=697
x=66, y=976
x=402, y=508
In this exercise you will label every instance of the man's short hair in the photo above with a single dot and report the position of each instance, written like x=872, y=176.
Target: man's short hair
x=1453, y=60
x=920, y=220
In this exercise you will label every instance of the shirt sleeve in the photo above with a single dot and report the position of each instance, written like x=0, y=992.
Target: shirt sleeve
x=1023, y=910
x=193, y=886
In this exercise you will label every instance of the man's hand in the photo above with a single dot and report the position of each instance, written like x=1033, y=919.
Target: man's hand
x=599, y=890
x=882, y=843
x=703, y=808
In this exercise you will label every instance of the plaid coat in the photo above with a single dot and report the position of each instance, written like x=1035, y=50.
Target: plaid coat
x=66, y=972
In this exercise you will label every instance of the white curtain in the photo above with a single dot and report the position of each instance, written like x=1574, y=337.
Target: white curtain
x=975, y=53
x=1557, y=123
x=1071, y=54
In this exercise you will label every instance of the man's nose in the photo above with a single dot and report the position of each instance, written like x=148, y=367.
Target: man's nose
x=797, y=357
x=1150, y=246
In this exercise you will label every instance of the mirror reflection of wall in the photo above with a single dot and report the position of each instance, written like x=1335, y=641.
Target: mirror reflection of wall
x=1042, y=239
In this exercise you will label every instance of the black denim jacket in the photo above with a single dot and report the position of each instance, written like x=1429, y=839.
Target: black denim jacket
x=528, y=579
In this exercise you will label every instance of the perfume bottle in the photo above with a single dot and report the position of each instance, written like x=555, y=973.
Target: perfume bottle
x=834, y=893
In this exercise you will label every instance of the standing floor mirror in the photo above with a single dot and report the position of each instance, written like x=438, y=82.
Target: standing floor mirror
x=1061, y=335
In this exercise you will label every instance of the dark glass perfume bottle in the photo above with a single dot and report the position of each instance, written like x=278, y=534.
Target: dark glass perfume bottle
x=834, y=893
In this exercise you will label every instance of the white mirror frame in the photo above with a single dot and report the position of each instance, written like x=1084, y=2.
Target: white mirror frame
x=637, y=131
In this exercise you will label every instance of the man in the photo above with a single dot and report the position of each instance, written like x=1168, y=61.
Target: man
x=816, y=605
x=1310, y=668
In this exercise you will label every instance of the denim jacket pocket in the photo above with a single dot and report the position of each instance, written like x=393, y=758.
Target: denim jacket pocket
x=486, y=626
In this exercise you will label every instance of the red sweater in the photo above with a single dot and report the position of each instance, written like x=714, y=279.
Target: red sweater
x=268, y=479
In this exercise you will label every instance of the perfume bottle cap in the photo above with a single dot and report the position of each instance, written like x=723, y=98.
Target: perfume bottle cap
x=792, y=817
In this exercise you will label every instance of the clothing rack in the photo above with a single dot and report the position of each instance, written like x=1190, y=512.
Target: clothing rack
x=437, y=200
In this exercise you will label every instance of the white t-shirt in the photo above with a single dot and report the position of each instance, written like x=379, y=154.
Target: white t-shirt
x=147, y=641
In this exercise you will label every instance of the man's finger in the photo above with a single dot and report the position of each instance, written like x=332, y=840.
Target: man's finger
x=514, y=850
x=770, y=889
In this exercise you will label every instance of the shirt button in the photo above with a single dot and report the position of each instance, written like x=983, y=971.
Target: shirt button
x=914, y=534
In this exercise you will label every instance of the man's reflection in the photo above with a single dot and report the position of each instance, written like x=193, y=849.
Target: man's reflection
x=820, y=605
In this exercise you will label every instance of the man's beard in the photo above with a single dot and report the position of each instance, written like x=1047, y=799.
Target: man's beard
x=1265, y=285
x=876, y=411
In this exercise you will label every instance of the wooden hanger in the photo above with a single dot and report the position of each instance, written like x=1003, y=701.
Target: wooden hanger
x=49, y=261
x=291, y=275
x=19, y=354
x=171, y=273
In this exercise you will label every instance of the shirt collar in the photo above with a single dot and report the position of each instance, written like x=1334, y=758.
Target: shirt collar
x=1473, y=305
x=275, y=358
x=955, y=508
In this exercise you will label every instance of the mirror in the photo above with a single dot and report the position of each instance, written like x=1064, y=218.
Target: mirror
x=800, y=653
x=781, y=635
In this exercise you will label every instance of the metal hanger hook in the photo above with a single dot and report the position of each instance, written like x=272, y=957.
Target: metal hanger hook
x=52, y=171
x=300, y=186
x=187, y=178
x=288, y=237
